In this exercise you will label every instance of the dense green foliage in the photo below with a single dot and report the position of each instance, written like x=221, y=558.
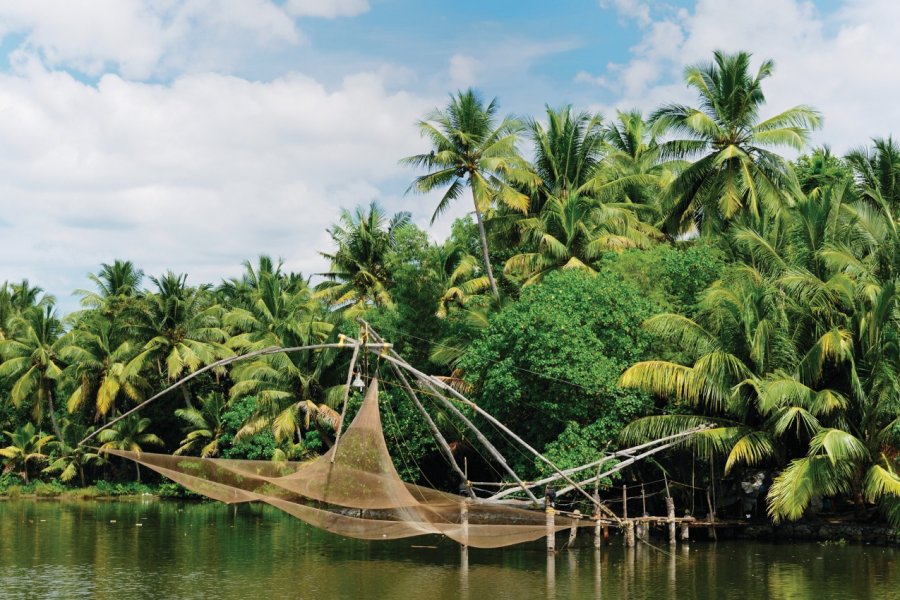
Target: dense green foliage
x=652, y=275
x=555, y=356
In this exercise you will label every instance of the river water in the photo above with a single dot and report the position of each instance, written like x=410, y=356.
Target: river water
x=133, y=550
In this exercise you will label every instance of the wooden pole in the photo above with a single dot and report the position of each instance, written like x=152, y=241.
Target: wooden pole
x=464, y=522
x=629, y=534
x=670, y=509
x=624, y=501
x=628, y=452
x=340, y=428
x=598, y=532
x=685, y=527
x=551, y=530
x=573, y=530
x=712, y=517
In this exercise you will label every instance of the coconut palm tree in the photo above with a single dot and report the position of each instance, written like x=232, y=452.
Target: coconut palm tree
x=183, y=329
x=101, y=370
x=31, y=360
x=734, y=170
x=358, y=277
x=572, y=232
x=470, y=149
x=284, y=314
x=205, y=426
x=633, y=170
x=130, y=434
x=26, y=447
x=69, y=457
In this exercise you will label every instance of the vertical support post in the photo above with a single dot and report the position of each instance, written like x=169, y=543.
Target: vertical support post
x=712, y=517
x=598, y=532
x=670, y=509
x=573, y=530
x=551, y=530
x=629, y=534
x=337, y=436
x=464, y=522
x=624, y=501
x=685, y=527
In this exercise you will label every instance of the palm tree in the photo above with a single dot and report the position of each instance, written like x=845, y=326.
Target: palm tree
x=358, y=277
x=284, y=313
x=31, y=358
x=469, y=149
x=69, y=457
x=131, y=435
x=183, y=326
x=117, y=290
x=205, y=426
x=572, y=232
x=101, y=370
x=735, y=172
x=26, y=446
x=633, y=170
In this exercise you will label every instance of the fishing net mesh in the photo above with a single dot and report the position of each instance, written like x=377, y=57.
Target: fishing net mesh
x=354, y=490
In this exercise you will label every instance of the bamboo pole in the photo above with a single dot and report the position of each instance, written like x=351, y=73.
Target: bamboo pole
x=685, y=527
x=629, y=534
x=670, y=509
x=619, y=467
x=551, y=529
x=573, y=530
x=619, y=453
x=340, y=428
x=464, y=522
x=712, y=517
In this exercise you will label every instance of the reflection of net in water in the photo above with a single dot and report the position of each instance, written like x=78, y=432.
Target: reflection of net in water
x=354, y=490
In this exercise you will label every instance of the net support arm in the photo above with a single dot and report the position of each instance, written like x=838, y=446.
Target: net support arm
x=435, y=431
x=434, y=382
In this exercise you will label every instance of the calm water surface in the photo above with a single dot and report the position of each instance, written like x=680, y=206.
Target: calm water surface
x=131, y=550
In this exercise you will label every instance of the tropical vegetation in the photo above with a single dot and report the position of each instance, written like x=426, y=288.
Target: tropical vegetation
x=620, y=279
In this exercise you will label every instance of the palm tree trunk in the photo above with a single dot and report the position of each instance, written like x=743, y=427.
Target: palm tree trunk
x=137, y=466
x=81, y=473
x=484, y=251
x=187, y=397
x=53, y=423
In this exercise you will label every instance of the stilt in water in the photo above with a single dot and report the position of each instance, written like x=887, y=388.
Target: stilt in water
x=573, y=530
x=629, y=534
x=464, y=522
x=685, y=527
x=712, y=517
x=551, y=530
x=670, y=509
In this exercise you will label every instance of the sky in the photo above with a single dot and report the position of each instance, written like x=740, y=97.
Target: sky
x=192, y=135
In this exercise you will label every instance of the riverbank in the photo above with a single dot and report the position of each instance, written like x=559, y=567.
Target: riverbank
x=101, y=490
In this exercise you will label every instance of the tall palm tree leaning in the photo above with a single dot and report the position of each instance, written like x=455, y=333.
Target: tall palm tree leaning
x=734, y=171
x=470, y=149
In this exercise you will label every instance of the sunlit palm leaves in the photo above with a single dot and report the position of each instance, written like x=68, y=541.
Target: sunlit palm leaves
x=734, y=170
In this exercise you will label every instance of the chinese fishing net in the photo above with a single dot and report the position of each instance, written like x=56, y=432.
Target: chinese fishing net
x=354, y=490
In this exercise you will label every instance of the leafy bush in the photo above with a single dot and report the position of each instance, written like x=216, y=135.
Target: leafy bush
x=555, y=356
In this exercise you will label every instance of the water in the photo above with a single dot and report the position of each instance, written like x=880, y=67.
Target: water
x=132, y=550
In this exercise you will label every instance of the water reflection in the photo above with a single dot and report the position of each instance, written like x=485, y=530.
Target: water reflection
x=151, y=550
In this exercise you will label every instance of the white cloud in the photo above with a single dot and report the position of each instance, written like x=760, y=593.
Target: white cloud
x=836, y=63
x=327, y=9
x=195, y=176
x=140, y=39
x=630, y=9
x=463, y=70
